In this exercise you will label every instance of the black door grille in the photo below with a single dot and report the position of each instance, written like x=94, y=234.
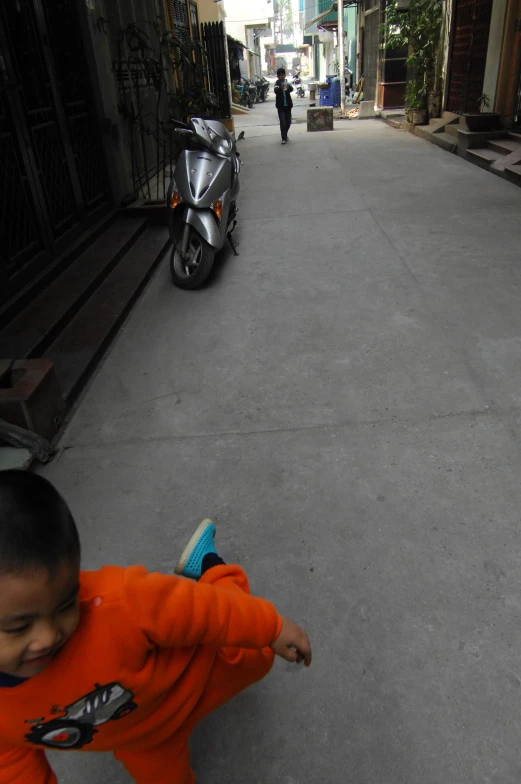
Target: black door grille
x=469, y=54
x=214, y=42
x=517, y=113
x=51, y=163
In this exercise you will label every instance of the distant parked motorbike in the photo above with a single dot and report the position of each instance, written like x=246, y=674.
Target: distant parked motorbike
x=202, y=200
x=253, y=91
x=246, y=93
x=263, y=88
x=297, y=82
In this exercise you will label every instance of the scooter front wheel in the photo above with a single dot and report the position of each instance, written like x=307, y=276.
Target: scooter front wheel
x=193, y=270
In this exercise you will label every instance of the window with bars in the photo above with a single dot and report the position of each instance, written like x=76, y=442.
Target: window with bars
x=180, y=13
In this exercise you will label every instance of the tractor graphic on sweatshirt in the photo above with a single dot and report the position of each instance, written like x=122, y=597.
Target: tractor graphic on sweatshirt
x=78, y=726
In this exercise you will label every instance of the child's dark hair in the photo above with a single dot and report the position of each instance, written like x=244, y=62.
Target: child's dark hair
x=281, y=72
x=37, y=530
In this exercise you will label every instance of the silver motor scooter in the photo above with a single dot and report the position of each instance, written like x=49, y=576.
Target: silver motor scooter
x=202, y=200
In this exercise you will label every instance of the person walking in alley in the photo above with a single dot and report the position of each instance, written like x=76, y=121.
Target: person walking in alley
x=284, y=103
x=120, y=659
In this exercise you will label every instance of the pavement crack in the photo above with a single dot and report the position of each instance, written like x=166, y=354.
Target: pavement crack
x=322, y=426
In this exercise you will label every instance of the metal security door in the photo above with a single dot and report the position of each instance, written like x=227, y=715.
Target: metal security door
x=469, y=54
x=517, y=111
x=51, y=161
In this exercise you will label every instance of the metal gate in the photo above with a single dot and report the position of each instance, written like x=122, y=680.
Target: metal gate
x=214, y=41
x=181, y=23
x=51, y=161
x=517, y=111
x=371, y=52
x=468, y=55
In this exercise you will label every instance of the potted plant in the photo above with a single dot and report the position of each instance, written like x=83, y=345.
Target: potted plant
x=483, y=120
x=418, y=25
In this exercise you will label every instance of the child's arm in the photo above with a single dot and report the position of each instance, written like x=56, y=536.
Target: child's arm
x=174, y=612
x=24, y=766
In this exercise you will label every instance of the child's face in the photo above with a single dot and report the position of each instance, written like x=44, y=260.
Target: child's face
x=39, y=612
x=282, y=76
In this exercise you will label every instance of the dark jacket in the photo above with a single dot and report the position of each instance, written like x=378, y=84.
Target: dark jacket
x=279, y=95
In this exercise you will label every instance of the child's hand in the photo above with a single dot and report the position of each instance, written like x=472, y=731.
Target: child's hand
x=292, y=643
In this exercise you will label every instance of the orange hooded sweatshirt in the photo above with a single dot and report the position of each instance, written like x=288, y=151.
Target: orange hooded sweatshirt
x=135, y=668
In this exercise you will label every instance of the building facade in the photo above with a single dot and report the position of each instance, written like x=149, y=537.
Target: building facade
x=249, y=24
x=321, y=28
x=73, y=141
x=484, y=58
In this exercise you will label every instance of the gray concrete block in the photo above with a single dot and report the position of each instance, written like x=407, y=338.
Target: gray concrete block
x=366, y=110
x=320, y=119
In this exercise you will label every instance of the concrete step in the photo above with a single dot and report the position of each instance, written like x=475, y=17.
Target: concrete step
x=484, y=156
x=515, y=136
x=238, y=109
x=82, y=343
x=443, y=140
x=513, y=173
x=505, y=146
x=452, y=130
x=35, y=327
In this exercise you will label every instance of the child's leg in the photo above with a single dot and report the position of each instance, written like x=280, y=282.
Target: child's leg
x=234, y=670
x=168, y=763
x=282, y=120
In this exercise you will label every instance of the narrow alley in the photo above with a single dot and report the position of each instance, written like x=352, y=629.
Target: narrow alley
x=344, y=400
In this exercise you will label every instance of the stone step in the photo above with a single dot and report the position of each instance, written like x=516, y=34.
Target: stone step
x=505, y=146
x=484, y=156
x=452, y=129
x=82, y=343
x=513, y=173
x=36, y=326
x=444, y=140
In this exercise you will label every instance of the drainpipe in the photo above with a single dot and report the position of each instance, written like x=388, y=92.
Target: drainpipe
x=341, y=56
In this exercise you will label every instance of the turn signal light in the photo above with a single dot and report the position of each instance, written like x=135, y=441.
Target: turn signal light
x=217, y=207
x=175, y=200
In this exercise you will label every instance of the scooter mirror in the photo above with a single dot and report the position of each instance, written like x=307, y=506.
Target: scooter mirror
x=240, y=137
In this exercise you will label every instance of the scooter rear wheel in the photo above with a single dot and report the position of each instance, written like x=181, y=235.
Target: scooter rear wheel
x=192, y=272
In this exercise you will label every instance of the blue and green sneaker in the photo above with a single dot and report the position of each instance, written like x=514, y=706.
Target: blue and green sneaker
x=202, y=543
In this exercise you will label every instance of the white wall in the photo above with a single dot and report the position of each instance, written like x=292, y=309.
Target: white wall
x=210, y=12
x=240, y=13
x=495, y=41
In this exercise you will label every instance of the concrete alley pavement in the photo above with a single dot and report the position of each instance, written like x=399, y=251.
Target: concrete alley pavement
x=345, y=400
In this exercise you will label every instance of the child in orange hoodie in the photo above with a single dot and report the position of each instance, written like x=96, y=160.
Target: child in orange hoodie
x=119, y=659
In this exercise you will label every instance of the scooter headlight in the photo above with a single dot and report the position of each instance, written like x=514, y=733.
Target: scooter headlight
x=221, y=146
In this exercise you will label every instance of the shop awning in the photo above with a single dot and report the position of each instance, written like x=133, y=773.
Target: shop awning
x=332, y=10
x=311, y=22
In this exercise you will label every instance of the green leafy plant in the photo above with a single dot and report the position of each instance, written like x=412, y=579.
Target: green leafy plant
x=419, y=29
x=483, y=103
